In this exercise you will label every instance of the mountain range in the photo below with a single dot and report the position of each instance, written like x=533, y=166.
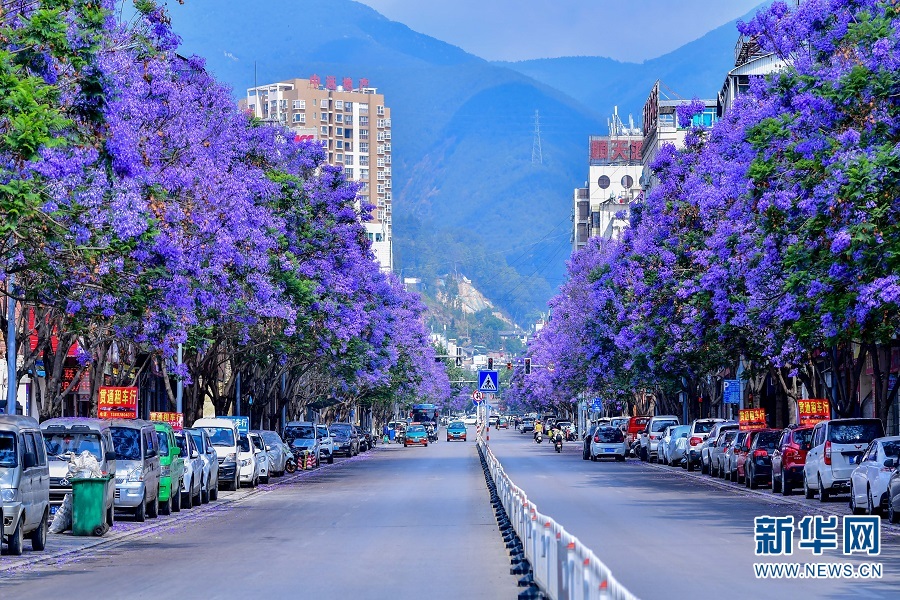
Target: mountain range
x=471, y=193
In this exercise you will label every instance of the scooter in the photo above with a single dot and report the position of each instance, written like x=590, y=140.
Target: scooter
x=557, y=442
x=538, y=437
x=290, y=465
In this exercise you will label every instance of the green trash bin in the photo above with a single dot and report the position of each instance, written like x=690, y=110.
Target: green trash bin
x=88, y=510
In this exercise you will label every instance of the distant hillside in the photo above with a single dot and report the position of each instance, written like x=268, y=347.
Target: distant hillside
x=466, y=193
x=695, y=69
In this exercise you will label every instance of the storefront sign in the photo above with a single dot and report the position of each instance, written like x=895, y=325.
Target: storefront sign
x=176, y=420
x=752, y=418
x=117, y=403
x=813, y=411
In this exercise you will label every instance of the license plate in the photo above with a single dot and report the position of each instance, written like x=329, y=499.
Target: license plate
x=609, y=449
x=53, y=510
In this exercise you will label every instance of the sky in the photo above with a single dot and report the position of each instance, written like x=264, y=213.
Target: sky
x=626, y=30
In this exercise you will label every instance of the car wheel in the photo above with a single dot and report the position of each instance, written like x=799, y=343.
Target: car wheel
x=870, y=503
x=198, y=499
x=892, y=515
x=16, y=541
x=204, y=493
x=39, y=535
x=330, y=459
x=620, y=458
x=786, y=487
x=752, y=484
x=807, y=492
x=704, y=470
x=176, y=502
x=823, y=493
x=593, y=457
x=140, y=513
x=854, y=507
x=153, y=509
x=776, y=485
x=214, y=492
x=166, y=508
x=690, y=465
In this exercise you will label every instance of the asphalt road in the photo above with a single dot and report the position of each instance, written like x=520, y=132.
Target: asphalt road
x=665, y=533
x=391, y=523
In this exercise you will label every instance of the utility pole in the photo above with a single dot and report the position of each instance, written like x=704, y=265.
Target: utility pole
x=537, y=154
x=10, y=347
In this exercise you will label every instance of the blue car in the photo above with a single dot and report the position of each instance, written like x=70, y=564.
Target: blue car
x=456, y=431
x=416, y=436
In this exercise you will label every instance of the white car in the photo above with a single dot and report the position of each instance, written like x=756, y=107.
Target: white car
x=192, y=481
x=471, y=420
x=248, y=464
x=210, y=489
x=608, y=442
x=326, y=443
x=837, y=447
x=262, y=457
x=869, y=481
x=276, y=451
x=651, y=434
x=700, y=429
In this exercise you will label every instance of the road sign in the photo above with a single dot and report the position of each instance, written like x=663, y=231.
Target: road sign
x=477, y=396
x=597, y=405
x=731, y=391
x=39, y=368
x=488, y=381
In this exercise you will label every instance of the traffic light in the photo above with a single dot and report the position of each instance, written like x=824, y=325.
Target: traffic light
x=490, y=364
x=528, y=366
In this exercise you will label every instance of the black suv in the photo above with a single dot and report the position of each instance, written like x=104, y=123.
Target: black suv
x=346, y=439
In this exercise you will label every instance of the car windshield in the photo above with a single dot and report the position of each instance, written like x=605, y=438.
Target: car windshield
x=641, y=422
x=341, y=429
x=244, y=444
x=127, y=442
x=891, y=448
x=271, y=438
x=768, y=439
x=610, y=435
x=661, y=425
x=8, y=449
x=803, y=438
x=299, y=432
x=58, y=443
x=416, y=429
x=457, y=425
x=704, y=426
x=182, y=445
x=220, y=436
x=855, y=432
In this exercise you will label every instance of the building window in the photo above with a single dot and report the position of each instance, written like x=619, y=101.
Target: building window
x=324, y=130
x=364, y=147
x=299, y=118
x=603, y=182
x=364, y=134
x=349, y=173
x=379, y=110
x=627, y=182
x=338, y=105
x=339, y=118
x=379, y=237
x=348, y=106
x=363, y=108
x=315, y=102
x=348, y=146
x=380, y=162
x=348, y=133
x=364, y=174
x=364, y=161
x=363, y=121
x=323, y=118
x=348, y=119
x=339, y=157
x=340, y=131
x=348, y=159
x=339, y=144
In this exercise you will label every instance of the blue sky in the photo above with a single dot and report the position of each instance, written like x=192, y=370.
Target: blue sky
x=627, y=30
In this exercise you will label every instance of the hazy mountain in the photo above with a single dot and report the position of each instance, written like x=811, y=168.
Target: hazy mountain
x=467, y=195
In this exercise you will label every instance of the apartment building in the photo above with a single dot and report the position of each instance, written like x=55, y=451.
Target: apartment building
x=353, y=122
x=601, y=207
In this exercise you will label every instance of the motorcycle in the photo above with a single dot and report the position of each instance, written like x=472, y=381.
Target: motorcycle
x=557, y=442
x=432, y=434
x=290, y=465
x=538, y=437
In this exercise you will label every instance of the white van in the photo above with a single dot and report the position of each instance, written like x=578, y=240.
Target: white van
x=24, y=484
x=837, y=447
x=223, y=433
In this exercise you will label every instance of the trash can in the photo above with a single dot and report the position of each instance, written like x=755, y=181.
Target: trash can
x=88, y=510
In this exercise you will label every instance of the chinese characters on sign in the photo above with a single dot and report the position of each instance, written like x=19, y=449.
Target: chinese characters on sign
x=176, y=420
x=615, y=150
x=774, y=536
x=752, y=418
x=117, y=403
x=813, y=411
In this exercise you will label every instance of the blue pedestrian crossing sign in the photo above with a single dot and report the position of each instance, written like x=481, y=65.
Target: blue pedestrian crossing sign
x=488, y=381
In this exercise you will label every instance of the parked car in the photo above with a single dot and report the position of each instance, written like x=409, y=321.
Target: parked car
x=717, y=453
x=620, y=422
x=503, y=423
x=711, y=439
x=368, y=440
x=662, y=446
x=677, y=444
x=493, y=420
x=608, y=442
x=893, y=509
x=653, y=430
x=472, y=420
x=700, y=429
x=415, y=436
x=171, y=464
x=210, y=489
x=635, y=426
x=789, y=458
x=346, y=440
x=587, y=440
x=223, y=434
x=24, y=484
x=456, y=430
x=137, y=467
x=304, y=437
x=191, y=490
x=869, y=480
x=326, y=443
x=75, y=435
x=527, y=425
x=276, y=451
x=741, y=454
x=730, y=457
x=261, y=456
x=758, y=463
x=836, y=449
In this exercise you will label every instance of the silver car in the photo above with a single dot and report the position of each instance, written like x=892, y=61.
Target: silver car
x=676, y=444
x=24, y=483
x=137, y=467
x=192, y=481
x=276, y=450
x=706, y=446
x=210, y=482
x=717, y=452
x=729, y=460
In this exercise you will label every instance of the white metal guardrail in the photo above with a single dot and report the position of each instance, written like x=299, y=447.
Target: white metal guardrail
x=563, y=567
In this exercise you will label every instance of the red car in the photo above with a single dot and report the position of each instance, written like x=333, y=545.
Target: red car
x=788, y=459
x=635, y=426
x=741, y=453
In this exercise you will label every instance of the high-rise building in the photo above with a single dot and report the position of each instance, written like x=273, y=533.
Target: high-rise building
x=601, y=208
x=354, y=124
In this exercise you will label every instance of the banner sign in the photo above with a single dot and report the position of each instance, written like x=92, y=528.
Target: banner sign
x=752, y=418
x=176, y=420
x=117, y=403
x=813, y=411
